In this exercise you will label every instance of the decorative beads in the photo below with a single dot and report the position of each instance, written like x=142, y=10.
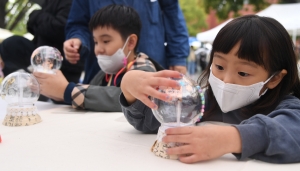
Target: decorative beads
x=202, y=102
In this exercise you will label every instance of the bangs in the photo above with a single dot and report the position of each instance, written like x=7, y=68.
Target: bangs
x=254, y=45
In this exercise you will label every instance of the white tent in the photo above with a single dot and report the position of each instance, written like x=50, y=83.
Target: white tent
x=287, y=14
x=209, y=35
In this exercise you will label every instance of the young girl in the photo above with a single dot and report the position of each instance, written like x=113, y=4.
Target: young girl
x=252, y=85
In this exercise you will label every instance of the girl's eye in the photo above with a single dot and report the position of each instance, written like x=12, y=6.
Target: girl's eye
x=243, y=74
x=106, y=41
x=219, y=67
x=96, y=43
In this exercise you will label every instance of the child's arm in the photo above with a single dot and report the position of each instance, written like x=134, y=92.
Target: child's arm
x=139, y=116
x=140, y=85
x=95, y=98
x=274, y=138
x=137, y=86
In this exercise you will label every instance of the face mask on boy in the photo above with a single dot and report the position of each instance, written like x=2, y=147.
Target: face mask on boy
x=234, y=96
x=112, y=64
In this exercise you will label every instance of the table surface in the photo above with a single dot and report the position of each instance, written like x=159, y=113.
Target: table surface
x=69, y=139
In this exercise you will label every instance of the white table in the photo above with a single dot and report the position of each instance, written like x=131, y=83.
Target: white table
x=67, y=139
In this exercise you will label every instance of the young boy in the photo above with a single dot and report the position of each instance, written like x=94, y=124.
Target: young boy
x=116, y=30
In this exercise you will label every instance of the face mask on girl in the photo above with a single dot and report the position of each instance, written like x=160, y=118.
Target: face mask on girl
x=112, y=64
x=234, y=96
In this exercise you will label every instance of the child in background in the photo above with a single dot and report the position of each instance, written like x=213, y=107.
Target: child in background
x=116, y=30
x=252, y=85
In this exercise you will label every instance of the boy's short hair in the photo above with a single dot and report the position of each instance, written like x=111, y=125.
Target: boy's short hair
x=121, y=18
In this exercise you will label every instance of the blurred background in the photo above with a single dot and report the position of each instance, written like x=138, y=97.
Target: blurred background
x=204, y=18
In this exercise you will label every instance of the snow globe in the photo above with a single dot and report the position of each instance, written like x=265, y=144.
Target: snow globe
x=185, y=109
x=46, y=59
x=20, y=90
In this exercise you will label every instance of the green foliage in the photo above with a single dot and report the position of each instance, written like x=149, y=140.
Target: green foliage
x=17, y=13
x=194, y=15
x=223, y=7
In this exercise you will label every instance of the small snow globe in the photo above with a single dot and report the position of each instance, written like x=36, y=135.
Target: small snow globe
x=20, y=90
x=185, y=108
x=46, y=59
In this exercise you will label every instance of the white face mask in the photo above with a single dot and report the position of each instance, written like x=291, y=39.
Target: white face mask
x=112, y=64
x=234, y=96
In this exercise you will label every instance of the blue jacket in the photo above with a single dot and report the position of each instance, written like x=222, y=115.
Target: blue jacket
x=162, y=21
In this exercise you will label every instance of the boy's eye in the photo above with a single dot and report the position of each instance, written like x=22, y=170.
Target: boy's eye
x=106, y=41
x=219, y=67
x=96, y=43
x=243, y=74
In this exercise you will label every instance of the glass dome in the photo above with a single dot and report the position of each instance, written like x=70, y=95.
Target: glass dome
x=20, y=89
x=186, y=106
x=46, y=59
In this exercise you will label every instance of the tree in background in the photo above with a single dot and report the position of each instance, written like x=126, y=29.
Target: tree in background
x=224, y=7
x=14, y=14
x=194, y=15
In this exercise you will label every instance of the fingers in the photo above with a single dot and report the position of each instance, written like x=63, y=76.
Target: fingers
x=168, y=73
x=40, y=75
x=71, y=49
x=177, y=138
x=180, y=150
x=76, y=43
x=154, y=94
x=144, y=99
x=188, y=158
x=180, y=130
x=163, y=83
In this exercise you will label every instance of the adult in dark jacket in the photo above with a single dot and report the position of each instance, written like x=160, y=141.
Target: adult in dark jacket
x=47, y=25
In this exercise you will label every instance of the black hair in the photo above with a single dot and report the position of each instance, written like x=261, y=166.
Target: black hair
x=121, y=18
x=264, y=41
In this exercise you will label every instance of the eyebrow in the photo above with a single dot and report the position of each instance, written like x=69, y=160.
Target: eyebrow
x=104, y=35
x=219, y=56
x=244, y=63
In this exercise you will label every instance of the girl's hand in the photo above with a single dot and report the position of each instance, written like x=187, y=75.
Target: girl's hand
x=140, y=85
x=52, y=85
x=203, y=142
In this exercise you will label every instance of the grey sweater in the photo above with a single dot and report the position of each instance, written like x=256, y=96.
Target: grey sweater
x=272, y=138
x=100, y=98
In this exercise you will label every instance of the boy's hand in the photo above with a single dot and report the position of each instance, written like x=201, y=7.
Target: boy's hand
x=71, y=49
x=181, y=69
x=140, y=85
x=52, y=85
x=203, y=142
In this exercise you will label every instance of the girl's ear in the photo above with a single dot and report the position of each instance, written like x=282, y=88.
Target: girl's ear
x=276, y=79
x=132, y=42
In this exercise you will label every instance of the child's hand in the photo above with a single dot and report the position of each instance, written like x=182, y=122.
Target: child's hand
x=140, y=85
x=52, y=85
x=203, y=142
